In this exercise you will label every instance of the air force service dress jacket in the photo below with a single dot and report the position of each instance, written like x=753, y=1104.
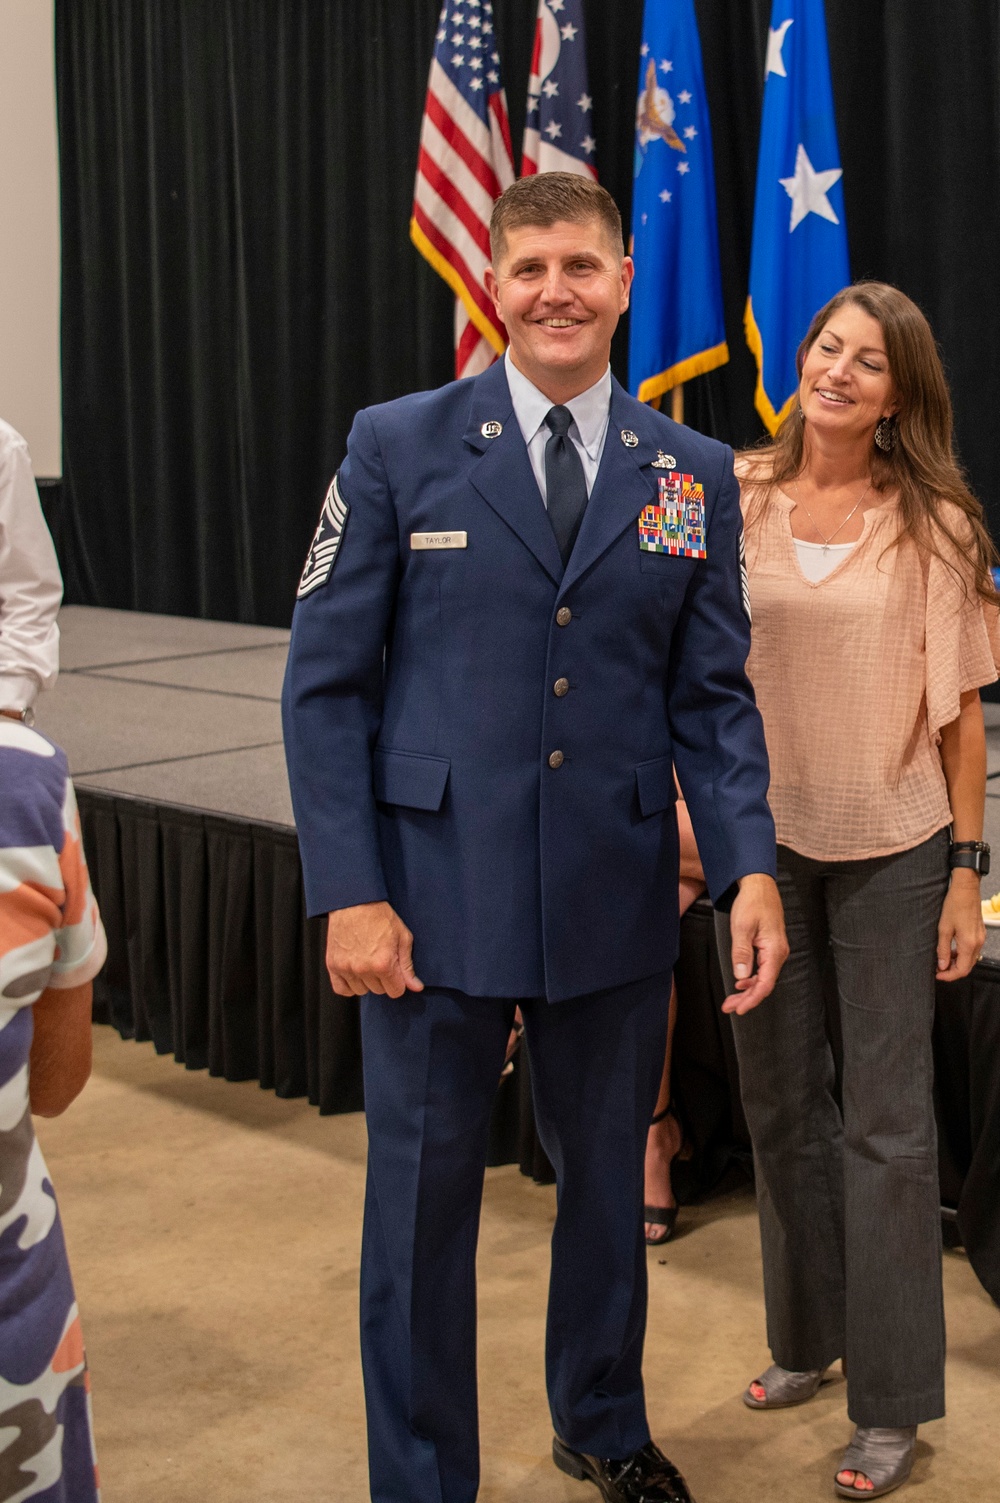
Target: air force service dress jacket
x=488, y=740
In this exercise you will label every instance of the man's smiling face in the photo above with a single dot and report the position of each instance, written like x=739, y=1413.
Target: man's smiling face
x=560, y=290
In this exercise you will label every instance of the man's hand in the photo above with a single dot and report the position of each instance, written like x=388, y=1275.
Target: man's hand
x=370, y=949
x=757, y=924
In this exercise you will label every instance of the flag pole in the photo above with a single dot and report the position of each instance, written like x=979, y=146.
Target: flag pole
x=677, y=403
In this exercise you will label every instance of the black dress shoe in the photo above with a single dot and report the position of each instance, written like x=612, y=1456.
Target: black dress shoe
x=644, y=1477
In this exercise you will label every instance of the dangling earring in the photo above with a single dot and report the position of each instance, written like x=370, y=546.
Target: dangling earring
x=885, y=435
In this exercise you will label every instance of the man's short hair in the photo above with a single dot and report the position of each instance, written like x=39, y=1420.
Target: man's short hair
x=548, y=197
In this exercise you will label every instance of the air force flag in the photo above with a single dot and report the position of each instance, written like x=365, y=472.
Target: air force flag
x=799, y=254
x=676, y=328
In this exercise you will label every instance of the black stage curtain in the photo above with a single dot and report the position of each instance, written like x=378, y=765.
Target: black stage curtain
x=967, y=1089
x=210, y=954
x=238, y=280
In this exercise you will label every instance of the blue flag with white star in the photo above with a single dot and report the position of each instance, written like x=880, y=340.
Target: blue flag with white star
x=676, y=329
x=799, y=254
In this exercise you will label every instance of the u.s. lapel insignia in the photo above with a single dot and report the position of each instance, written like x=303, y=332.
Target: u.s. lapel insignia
x=326, y=544
x=677, y=524
x=663, y=461
x=492, y=429
x=630, y=439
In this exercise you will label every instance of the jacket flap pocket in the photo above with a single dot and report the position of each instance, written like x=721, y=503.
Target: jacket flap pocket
x=654, y=783
x=409, y=778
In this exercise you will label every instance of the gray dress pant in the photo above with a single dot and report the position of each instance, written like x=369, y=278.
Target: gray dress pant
x=848, y=1196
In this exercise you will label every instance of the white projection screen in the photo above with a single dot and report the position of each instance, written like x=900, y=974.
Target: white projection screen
x=29, y=232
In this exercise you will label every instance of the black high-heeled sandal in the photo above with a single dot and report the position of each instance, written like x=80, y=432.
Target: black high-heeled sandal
x=665, y=1216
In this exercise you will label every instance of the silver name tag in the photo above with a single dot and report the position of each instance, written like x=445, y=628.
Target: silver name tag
x=421, y=540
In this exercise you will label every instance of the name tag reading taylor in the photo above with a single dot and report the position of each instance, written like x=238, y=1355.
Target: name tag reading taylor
x=423, y=540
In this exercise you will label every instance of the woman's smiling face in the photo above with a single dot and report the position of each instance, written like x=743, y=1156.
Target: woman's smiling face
x=846, y=385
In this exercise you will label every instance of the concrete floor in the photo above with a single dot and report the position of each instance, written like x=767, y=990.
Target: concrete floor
x=214, y=1233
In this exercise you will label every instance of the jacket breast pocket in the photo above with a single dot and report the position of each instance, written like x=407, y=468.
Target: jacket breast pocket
x=666, y=565
x=410, y=779
x=655, y=786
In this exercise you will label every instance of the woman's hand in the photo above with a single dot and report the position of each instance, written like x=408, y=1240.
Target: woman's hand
x=961, y=931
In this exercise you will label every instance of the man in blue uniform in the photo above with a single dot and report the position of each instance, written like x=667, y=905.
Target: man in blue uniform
x=522, y=609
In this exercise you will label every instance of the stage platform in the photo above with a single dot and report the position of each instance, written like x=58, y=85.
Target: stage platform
x=183, y=712
x=173, y=731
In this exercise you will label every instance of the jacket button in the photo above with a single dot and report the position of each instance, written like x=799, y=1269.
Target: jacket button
x=556, y=759
x=560, y=687
x=563, y=616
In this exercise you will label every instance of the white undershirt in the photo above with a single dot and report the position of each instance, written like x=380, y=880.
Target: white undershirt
x=817, y=560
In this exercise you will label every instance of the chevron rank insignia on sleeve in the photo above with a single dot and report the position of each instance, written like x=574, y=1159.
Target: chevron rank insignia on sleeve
x=744, y=579
x=325, y=545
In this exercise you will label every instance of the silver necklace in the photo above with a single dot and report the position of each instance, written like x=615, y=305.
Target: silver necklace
x=828, y=540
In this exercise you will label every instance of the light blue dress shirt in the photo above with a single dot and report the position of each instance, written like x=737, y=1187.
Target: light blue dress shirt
x=588, y=430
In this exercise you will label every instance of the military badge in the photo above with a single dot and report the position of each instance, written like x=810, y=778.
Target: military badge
x=677, y=524
x=325, y=546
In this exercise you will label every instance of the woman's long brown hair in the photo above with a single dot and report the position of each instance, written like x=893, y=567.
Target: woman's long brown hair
x=922, y=466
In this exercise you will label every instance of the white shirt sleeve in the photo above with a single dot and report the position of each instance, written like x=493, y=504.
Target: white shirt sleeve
x=30, y=582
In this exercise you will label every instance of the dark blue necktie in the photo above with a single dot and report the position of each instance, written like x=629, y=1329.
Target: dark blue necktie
x=565, y=482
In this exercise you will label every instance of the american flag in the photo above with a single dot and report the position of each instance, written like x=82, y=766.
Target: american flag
x=466, y=160
x=558, y=130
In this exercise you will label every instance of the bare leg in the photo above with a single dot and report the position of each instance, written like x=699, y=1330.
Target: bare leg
x=663, y=1142
x=665, y=1136
x=513, y=1043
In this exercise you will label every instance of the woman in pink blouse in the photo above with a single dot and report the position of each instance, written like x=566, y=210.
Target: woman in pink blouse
x=874, y=625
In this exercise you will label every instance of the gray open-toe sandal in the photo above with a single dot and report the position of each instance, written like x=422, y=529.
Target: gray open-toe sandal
x=782, y=1388
x=885, y=1456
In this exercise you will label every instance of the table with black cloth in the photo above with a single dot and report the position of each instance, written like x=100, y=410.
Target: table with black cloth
x=967, y=1096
